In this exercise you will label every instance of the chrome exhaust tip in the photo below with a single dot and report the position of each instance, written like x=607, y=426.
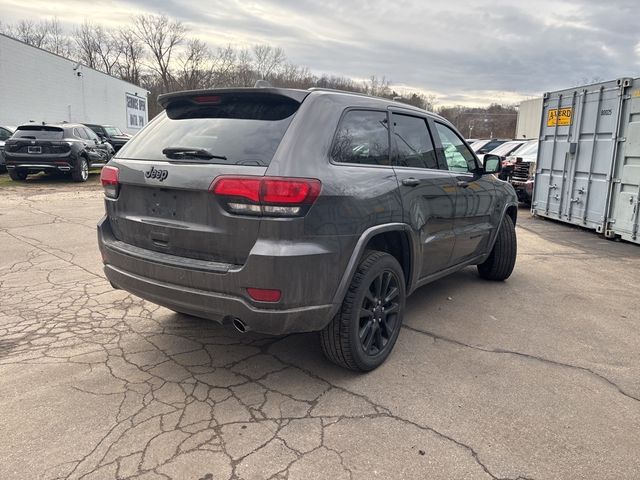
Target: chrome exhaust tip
x=239, y=325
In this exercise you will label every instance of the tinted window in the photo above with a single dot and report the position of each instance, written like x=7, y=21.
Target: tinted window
x=242, y=131
x=91, y=134
x=39, y=132
x=112, y=131
x=506, y=148
x=414, y=147
x=486, y=148
x=362, y=137
x=79, y=133
x=457, y=155
x=4, y=134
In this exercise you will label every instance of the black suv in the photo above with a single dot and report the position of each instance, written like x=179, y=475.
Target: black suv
x=66, y=147
x=116, y=137
x=282, y=210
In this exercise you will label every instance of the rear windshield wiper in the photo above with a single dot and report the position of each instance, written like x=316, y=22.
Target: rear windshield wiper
x=187, y=152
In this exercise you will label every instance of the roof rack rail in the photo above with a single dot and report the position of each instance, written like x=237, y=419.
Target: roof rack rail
x=337, y=90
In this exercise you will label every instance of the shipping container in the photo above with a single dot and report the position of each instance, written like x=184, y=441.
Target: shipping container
x=528, y=124
x=588, y=166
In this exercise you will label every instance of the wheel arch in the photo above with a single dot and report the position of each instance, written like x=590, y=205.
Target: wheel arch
x=392, y=238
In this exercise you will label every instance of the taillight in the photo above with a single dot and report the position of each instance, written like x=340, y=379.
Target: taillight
x=270, y=196
x=109, y=177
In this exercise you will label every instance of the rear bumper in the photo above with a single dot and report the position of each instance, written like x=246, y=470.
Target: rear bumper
x=218, y=291
x=220, y=307
x=63, y=164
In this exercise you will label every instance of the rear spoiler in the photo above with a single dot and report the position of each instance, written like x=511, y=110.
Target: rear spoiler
x=190, y=96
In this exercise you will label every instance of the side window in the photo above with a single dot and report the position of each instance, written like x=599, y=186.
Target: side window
x=4, y=134
x=91, y=134
x=79, y=132
x=413, y=144
x=457, y=155
x=362, y=137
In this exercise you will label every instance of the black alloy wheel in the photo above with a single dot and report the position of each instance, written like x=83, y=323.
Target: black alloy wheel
x=379, y=313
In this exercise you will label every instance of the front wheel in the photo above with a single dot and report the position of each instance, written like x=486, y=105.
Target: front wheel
x=500, y=263
x=363, y=333
x=80, y=172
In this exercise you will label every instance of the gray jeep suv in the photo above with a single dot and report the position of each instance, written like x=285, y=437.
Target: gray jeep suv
x=281, y=210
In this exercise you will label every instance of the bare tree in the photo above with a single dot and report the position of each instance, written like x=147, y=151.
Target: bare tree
x=245, y=74
x=224, y=66
x=378, y=87
x=131, y=51
x=196, y=66
x=57, y=40
x=161, y=36
x=30, y=32
x=86, y=42
x=268, y=60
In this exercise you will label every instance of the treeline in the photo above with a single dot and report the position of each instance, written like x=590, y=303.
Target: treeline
x=159, y=54
x=494, y=121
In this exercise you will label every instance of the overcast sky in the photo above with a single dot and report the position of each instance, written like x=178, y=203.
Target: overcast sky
x=464, y=51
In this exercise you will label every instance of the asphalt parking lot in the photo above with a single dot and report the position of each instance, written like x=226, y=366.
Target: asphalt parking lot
x=537, y=377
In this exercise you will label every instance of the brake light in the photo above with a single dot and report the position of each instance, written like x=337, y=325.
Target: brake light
x=264, y=295
x=271, y=196
x=208, y=99
x=109, y=177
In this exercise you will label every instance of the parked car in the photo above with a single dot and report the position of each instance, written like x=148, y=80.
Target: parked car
x=521, y=166
x=281, y=210
x=504, y=149
x=481, y=147
x=5, y=133
x=66, y=147
x=116, y=137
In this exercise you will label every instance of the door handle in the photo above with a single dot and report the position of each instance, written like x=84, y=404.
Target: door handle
x=411, y=182
x=463, y=183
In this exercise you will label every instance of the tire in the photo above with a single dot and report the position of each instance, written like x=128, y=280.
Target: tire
x=341, y=341
x=80, y=172
x=18, y=175
x=499, y=265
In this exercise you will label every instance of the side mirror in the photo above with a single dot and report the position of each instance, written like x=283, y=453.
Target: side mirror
x=492, y=163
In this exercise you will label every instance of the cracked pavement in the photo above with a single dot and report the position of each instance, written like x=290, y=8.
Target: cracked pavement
x=538, y=377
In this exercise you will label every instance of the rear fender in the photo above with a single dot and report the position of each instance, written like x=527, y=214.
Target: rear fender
x=359, y=250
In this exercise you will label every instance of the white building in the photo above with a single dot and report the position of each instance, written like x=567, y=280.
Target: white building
x=39, y=86
x=529, y=118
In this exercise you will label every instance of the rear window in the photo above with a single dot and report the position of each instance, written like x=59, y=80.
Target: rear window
x=506, y=148
x=239, y=130
x=39, y=132
x=490, y=146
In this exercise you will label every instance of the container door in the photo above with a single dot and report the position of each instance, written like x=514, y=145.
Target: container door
x=578, y=142
x=625, y=209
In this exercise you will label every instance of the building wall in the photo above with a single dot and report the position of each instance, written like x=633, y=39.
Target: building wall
x=529, y=115
x=39, y=86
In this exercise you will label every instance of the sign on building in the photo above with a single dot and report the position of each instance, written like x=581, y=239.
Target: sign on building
x=136, y=111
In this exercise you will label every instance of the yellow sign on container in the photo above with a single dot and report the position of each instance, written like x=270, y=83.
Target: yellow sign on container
x=563, y=118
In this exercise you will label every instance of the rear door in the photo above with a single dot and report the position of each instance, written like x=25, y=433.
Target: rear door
x=165, y=173
x=475, y=199
x=428, y=191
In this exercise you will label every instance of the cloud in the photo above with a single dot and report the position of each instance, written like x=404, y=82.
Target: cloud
x=464, y=51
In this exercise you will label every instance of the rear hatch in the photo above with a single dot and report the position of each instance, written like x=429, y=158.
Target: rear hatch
x=165, y=172
x=37, y=143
